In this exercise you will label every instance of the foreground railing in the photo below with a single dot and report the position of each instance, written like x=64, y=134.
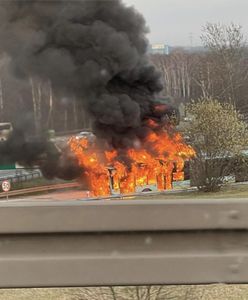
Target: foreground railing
x=123, y=242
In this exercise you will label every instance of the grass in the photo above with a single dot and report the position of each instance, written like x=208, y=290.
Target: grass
x=200, y=292
x=35, y=182
x=228, y=191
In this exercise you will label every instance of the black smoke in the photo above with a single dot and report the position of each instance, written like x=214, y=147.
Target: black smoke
x=38, y=151
x=94, y=50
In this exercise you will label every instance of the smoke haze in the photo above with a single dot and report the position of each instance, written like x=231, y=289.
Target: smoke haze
x=92, y=50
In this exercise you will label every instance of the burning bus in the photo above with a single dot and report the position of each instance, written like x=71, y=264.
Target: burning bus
x=150, y=164
x=143, y=180
x=107, y=172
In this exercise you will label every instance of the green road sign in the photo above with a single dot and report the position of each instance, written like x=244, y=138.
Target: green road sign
x=8, y=167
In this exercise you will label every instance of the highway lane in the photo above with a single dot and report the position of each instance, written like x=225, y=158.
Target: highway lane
x=18, y=174
x=8, y=173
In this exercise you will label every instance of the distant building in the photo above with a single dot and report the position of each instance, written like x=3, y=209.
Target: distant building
x=159, y=49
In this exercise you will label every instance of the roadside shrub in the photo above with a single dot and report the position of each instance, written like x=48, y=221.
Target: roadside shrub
x=218, y=134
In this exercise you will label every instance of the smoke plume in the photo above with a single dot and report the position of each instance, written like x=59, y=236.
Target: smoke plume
x=92, y=50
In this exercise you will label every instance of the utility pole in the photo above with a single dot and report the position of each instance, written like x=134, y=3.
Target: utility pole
x=191, y=39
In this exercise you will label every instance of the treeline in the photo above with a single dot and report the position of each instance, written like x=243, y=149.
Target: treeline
x=220, y=72
x=35, y=106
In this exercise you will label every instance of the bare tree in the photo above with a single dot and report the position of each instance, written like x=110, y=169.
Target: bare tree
x=1, y=102
x=181, y=74
x=36, y=98
x=130, y=293
x=50, y=109
x=225, y=73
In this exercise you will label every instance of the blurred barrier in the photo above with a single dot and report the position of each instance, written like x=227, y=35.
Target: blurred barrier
x=123, y=242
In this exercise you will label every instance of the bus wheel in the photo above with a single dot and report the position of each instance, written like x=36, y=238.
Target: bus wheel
x=146, y=190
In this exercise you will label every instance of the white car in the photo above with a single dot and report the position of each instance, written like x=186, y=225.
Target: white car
x=86, y=135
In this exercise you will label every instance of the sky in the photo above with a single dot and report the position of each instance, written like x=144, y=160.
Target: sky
x=180, y=22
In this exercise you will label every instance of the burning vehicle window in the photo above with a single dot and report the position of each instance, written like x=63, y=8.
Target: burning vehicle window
x=112, y=100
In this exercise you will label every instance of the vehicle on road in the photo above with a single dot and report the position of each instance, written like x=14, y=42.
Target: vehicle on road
x=5, y=130
x=86, y=135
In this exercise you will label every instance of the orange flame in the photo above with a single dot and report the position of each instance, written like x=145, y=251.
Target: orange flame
x=157, y=162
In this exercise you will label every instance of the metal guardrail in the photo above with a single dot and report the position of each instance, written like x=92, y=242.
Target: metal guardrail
x=37, y=189
x=123, y=242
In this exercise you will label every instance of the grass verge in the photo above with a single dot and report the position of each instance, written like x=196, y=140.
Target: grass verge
x=199, y=292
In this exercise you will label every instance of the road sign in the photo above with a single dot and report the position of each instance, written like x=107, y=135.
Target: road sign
x=6, y=185
x=8, y=167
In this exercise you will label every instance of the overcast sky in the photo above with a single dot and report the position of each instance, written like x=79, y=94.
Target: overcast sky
x=174, y=21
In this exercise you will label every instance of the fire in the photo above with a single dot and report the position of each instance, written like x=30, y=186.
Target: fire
x=157, y=162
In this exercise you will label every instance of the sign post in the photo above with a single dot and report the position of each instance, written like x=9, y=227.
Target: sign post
x=6, y=186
